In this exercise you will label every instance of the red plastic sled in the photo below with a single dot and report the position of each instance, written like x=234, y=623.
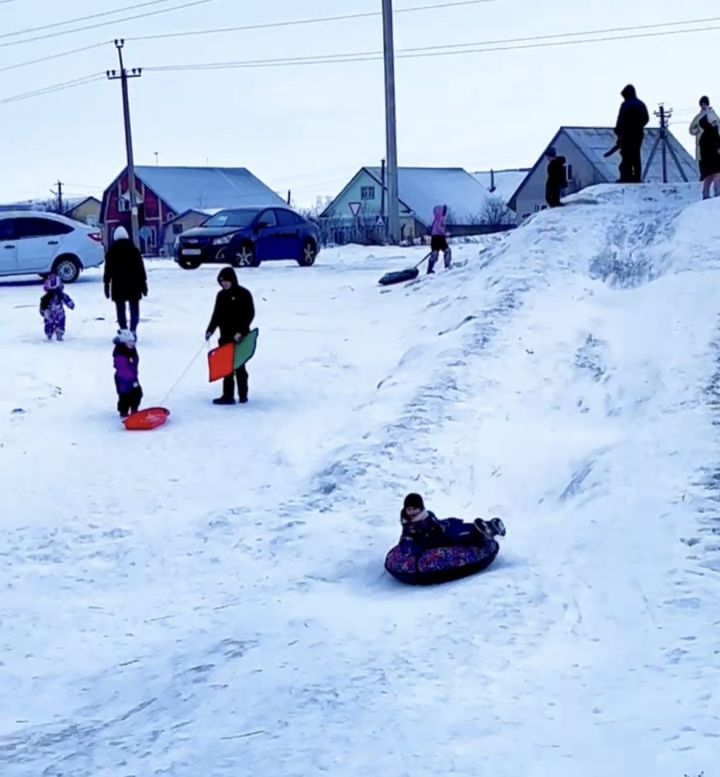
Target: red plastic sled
x=221, y=361
x=147, y=419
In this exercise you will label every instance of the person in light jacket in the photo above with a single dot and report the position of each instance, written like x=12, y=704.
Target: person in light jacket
x=696, y=130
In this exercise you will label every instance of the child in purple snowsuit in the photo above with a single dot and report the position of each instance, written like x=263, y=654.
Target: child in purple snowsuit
x=438, y=239
x=52, y=307
x=126, y=359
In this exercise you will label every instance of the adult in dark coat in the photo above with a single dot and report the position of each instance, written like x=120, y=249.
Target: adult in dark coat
x=709, y=150
x=125, y=278
x=556, y=178
x=233, y=314
x=630, y=131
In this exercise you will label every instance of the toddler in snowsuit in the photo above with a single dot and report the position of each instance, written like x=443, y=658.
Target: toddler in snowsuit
x=126, y=359
x=52, y=307
x=424, y=529
x=438, y=239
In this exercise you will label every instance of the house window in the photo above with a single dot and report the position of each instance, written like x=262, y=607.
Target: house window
x=123, y=205
x=177, y=228
x=367, y=193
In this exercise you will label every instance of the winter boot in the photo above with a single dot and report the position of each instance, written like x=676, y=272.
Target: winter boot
x=59, y=336
x=431, y=262
x=484, y=529
x=224, y=401
x=447, y=258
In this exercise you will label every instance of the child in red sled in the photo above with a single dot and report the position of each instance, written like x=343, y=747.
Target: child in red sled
x=422, y=527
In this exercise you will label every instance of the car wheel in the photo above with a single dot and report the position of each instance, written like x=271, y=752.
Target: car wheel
x=67, y=268
x=189, y=264
x=309, y=254
x=244, y=256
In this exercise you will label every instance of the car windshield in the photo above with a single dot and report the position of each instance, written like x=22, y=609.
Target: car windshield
x=232, y=218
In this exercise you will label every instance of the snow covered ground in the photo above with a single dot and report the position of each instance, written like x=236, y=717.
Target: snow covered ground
x=209, y=598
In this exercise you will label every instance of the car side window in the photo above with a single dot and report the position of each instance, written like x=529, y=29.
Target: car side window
x=286, y=218
x=39, y=227
x=6, y=229
x=268, y=218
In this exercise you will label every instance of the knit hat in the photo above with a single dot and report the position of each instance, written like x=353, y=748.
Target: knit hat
x=704, y=101
x=414, y=500
x=120, y=233
x=551, y=152
x=124, y=337
x=53, y=283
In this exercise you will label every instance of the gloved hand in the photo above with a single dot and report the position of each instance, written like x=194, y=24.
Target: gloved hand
x=145, y=291
x=107, y=292
x=208, y=335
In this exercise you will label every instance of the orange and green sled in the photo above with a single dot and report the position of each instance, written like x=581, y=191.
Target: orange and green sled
x=223, y=361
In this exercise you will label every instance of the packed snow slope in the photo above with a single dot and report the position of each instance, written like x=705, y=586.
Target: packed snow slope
x=209, y=598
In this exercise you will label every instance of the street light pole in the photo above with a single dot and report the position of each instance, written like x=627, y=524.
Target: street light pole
x=393, y=207
x=123, y=75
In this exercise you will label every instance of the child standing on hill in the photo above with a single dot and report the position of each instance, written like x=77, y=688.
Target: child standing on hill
x=438, y=239
x=126, y=360
x=52, y=307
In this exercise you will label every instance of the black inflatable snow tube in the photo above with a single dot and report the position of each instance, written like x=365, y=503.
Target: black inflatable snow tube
x=438, y=565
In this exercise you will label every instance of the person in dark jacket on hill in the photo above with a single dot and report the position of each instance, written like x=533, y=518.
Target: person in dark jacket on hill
x=709, y=149
x=233, y=314
x=556, y=178
x=125, y=278
x=630, y=131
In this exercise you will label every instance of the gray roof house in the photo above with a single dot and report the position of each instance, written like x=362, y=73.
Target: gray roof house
x=165, y=192
x=584, y=149
x=357, y=210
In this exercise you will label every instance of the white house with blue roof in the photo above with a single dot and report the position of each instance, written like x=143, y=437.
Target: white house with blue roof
x=363, y=201
x=584, y=149
x=164, y=193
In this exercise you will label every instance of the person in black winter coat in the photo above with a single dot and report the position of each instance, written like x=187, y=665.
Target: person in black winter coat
x=125, y=278
x=630, y=131
x=556, y=178
x=709, y=151
x=233, y=314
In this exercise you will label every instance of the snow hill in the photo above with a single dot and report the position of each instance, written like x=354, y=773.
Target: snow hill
x=209, y=599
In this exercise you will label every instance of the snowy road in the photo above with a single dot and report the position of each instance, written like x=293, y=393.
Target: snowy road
x=210, y=599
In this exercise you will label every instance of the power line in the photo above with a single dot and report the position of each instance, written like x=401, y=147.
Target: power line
x=266, y=25
x=52, y=56
x=313, y=20
x=84, y=18
x=55, y=88
x=414, y=53
x=423, y=51
x=106, y=23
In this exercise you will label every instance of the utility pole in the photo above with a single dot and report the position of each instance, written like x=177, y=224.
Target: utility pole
x=123, y=76
x=382, y=197
x=58, y=194
x=393, y=221
x=664, y=117
x=157, y=157
x=663, y=140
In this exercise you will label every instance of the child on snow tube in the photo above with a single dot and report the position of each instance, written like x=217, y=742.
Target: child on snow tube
x=435, y=551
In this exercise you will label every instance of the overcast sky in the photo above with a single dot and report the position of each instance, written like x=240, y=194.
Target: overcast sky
x=310, y=127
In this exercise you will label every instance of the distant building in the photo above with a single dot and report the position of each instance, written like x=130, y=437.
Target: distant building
x=584, y=149
x=359, y=210
x=163, y=193
x=502, y=183
x=85, y=209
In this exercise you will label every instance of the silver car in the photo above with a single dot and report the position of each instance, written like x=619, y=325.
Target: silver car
x=34, y=242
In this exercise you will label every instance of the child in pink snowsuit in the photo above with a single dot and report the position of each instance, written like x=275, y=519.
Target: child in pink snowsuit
x=438, y=239
x=52, y=307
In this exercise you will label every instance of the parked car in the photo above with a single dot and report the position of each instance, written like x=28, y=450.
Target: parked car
x=36, y=242
x=244, y=237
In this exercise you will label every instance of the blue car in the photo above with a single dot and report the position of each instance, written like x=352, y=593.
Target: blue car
x=244, y=237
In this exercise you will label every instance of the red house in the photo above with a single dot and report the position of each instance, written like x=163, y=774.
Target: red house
x=165, y=192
